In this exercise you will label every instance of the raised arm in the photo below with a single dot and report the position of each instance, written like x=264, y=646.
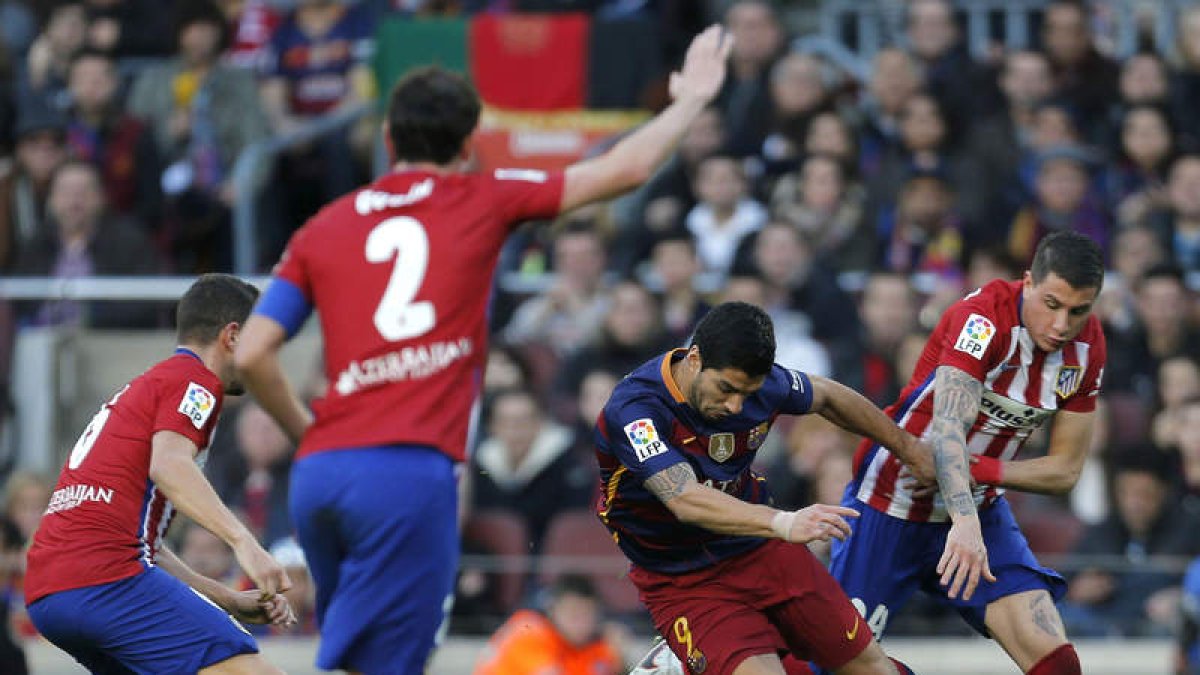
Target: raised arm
x=955, y=406
x=174, y=471
x=852, y=411
x=1054, y=474
x=697, y=504
x=635, y=158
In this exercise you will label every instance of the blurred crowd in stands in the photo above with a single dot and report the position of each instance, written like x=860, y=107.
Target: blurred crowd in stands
x=853, y=211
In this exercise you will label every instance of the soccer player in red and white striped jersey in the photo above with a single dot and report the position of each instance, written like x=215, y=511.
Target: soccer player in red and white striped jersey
x=1001, y=362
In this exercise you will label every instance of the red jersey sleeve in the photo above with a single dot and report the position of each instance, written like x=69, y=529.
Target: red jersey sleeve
x=970, y=337
x=525, y=194
x=188, y=404
x=1084, y=399
x=291, y=265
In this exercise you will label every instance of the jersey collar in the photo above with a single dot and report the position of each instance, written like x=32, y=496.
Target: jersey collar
x=668, y=378
x=188, y=352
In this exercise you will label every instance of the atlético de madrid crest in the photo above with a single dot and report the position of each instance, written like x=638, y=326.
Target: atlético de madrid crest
x=1069, y=378
x=721, y=446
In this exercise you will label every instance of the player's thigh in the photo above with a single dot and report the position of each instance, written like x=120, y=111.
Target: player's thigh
x=713, y=635
x=817, y=621
x=387, y=547
x=149, y=623
x=244, y=664
x=881, y=564
x=870, y=661
x=1026, y=625
x=760, y=664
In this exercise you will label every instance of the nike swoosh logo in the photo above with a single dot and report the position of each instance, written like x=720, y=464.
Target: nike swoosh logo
x=851, y=634
x=1009, y=366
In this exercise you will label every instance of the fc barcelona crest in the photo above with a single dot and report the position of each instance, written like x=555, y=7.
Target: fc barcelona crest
x=721, y=446
x=1069, y=378
x=756, y=436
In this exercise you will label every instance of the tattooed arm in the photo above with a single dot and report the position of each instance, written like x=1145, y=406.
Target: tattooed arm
x=697, y=504
x=955, y=406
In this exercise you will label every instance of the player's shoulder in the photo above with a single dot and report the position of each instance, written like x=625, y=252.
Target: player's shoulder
x=642, y=391
x=995, y=303
x=784, y=380
x=181, y=369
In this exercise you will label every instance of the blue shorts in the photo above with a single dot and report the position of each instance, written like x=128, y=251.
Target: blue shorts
x=379, y=528
x=887, y=558
x=148, y=623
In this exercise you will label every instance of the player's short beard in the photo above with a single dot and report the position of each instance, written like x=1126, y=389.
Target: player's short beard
x=235, y=389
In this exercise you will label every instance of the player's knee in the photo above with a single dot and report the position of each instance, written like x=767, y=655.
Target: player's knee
x=243, y=664
x=871, y=661
x=1062, y=661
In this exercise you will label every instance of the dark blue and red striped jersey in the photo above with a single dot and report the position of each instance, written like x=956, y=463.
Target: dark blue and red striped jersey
x=647, y=426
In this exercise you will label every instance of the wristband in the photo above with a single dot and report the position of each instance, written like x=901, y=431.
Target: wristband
x=987, y=470
x=782, y=524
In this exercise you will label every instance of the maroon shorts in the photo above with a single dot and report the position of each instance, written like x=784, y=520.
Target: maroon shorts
x=776, y=599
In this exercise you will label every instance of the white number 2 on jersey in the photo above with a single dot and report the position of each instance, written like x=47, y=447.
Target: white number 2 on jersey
x=92, y=431
x=397, y=317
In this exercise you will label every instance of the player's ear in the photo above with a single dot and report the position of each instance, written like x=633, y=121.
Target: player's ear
x=467, y=151
x=386, y=130
x=228, y=336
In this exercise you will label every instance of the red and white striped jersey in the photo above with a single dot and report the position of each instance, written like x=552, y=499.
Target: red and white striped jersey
x=1022, y=387
x=106, y=517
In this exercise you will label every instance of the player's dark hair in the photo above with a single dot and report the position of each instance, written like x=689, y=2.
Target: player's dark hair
x=1073, y=257
x=211, y=303
x=736, y=335
x=431, y=112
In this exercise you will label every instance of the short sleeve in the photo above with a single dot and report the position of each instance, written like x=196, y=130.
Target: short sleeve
x=188, y=406
x=794, y=388
x=970, y=339
x=1084, y=399
x=639, y=438
x=526, y=194
x=292, y=266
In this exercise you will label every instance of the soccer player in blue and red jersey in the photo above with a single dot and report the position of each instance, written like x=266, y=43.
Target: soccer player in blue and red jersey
x=98, y=582
x=1001, y=362
x=399, y=273
x=726, y=577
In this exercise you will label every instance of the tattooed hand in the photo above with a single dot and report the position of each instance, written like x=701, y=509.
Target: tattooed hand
x=955, y=406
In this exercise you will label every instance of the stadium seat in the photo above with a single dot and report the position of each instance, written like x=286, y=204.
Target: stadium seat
x=577, y=542
x=504, y=535
x=1129, y=419
x=1050, y=530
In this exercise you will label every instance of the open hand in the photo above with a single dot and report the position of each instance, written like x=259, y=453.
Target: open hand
x=964, y=560
x=817, y=522
x=703, y=70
